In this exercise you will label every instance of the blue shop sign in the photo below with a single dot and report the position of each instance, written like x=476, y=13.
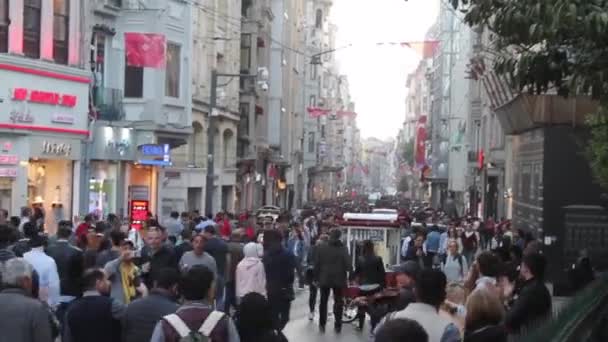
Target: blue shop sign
x=157, y=155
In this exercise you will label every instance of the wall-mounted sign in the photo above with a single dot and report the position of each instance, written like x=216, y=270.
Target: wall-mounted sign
x=8, y=172
x=156, y=155
x=59, y=149
x=139, y=213
x=7, y=146
x=7, y=159
x=21, y=117
x=63, y=118
x=44, y=97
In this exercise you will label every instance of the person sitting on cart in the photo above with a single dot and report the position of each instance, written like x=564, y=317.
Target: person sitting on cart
x=370, y=275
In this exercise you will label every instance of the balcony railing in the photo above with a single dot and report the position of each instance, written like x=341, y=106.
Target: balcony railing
x=108, y=102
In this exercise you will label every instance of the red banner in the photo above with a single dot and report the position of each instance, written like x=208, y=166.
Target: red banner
x=145, y=50
x=421, y=142
x=342, y=113
x=316, y=112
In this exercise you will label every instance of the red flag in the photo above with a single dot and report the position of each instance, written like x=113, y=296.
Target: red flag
x=480, y=159
x=426, y=49
x=316, y=112
x=421, y=142
x=145, y=49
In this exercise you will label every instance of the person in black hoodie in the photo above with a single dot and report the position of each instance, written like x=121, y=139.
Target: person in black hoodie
x=369, y=270
x=254, y=321
x=280, y=266
x=7, y=236
x=533, y=302
x=155, y=256
x=485, y=312
x=332, y=266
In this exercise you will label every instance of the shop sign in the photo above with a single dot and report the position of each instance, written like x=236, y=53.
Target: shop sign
x=139, y=213
x=44, y=97
x=59, y=149
x=63, y=118
x=7, y=146
x=8, y=172
x=155, y=155
x=172, y=174
x=21, y=117
x=7, y=159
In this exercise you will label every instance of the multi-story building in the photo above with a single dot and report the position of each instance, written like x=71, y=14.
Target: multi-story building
x=141, y=60
x=44, y=107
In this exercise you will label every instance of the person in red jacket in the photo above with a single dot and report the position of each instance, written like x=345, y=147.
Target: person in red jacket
x=83, y=228
x=224, y=223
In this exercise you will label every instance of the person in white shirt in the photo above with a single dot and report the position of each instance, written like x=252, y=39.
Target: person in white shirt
x=26, y=213
x=46, y=268
x=455, y=266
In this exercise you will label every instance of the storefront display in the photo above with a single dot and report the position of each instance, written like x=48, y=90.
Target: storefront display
x=102, y=188
x=50, y=187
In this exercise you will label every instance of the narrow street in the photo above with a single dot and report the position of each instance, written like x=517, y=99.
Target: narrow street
x=300, y=329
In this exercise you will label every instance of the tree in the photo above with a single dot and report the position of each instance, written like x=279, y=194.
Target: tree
x=543, y=45
x=404, y=184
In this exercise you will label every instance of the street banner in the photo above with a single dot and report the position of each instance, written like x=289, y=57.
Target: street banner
x=421, y=136
x=145, y=50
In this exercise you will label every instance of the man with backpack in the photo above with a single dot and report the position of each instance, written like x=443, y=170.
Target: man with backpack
x=455, y=266
x=195, y=320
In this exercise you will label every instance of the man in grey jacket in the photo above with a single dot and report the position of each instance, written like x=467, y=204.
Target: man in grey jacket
x=29, y=318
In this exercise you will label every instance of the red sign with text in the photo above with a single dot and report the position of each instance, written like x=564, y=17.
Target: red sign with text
x=139, y=213
x=44, y=97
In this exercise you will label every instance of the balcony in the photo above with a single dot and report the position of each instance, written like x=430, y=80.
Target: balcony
x=109, y=104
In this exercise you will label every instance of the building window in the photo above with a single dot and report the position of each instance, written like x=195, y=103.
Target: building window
x=311, y=142
x=4, y=26
x=319, y=19
x=313, y=72
x=61, y=25
x=31, y=28
x=322, y=131
x=116, y=3
x=173, y=70
x=134, y=81
x=246, y=51
x=312, y=102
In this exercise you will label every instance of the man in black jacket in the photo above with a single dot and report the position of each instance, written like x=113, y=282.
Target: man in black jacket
x=156, y=256
x=142, y=315
x=280, y=267
x=533, y=303
x=69, y=260
x=332, y=266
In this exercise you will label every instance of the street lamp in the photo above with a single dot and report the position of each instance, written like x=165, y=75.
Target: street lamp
x=263, y=76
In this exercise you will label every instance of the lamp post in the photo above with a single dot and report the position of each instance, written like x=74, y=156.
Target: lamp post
x=211, y=130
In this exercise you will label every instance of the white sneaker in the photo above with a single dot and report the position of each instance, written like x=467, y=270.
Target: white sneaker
x=311, y=316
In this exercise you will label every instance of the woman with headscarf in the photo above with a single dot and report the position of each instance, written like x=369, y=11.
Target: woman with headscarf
x=250, y=274
x=254, y=320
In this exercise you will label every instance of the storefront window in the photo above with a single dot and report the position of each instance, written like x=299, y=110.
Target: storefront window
x=102, y=189
x=50, y=187
x=5, y=194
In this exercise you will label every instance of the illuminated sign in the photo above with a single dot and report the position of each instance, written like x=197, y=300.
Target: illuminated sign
x=139, y=213
x=44, y=97
x=7, y=159
x=160, y=155
x=6, y=172
x=154, y=150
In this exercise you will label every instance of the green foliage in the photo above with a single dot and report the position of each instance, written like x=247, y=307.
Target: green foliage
x=404, y=184
x=542, y=45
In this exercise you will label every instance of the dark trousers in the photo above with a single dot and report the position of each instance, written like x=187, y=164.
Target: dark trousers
x=280, y=308
x=62, y=308
x=338, y=305
x=230, y=296
x=312, y=297
x=428, y=259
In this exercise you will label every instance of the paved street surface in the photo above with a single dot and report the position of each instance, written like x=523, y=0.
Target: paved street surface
x=300, y=329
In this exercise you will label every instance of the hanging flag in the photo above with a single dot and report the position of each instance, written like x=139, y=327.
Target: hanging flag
x=426, y=49
x=421, y=142
x=316, y=112
x=145, y=50
x=480, y=159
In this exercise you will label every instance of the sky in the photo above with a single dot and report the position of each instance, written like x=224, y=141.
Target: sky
x=376, y=74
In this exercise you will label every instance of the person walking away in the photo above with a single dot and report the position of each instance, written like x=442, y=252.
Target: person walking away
x=488, y=231
x=489, y=267
x=116, y=238
x=26, y=215
x=83, y=229
x=469, y=243
x=431, y=246
x=96, y=316
x=297, y=247
x=430, y=293
x=224, y=222
x=235, y=255
x=142, y=314
x=155, y=256
x=332, y=267
x=46, y=268
x=250, y=273
x=185, y=245
x=369, y=270
x=197, y=256
x=455, y=266
x=174, y=227
x=8, y=235
x=70, y=267
x=26, y=319
x=218, y=249
x=254, y=321
x=279, y=266
x=443, y=245
x=125, y=277
x=533, y=303
x=311, y=277
x=195, y=319
x=399, y=330
x=23, y=245
x=485, y=314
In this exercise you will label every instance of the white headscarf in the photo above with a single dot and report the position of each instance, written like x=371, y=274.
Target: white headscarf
x=253, y=250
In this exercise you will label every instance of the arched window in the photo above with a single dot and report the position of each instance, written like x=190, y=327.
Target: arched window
x=319, y=19
x=196, y=145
